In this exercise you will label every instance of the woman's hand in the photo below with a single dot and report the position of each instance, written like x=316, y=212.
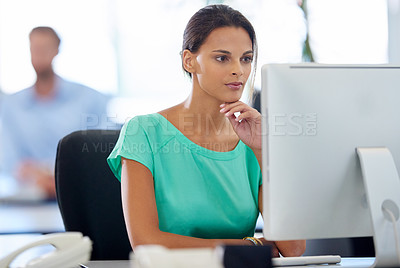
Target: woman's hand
x=292, y=248
x=274, y=248
x=247, y=125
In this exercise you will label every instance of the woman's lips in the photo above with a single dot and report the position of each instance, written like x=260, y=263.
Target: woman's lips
x=235, y=85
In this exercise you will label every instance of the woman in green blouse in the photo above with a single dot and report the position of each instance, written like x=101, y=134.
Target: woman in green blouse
x=190, y=174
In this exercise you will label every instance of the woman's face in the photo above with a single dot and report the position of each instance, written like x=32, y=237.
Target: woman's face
x=223, y=63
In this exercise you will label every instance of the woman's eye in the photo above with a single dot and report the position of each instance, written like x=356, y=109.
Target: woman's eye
x=248, y=59
x=221, y=58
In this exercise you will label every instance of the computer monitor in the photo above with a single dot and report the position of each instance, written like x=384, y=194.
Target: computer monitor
x=326, y=172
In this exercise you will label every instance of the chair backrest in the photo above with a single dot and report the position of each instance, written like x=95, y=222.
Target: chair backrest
x=88, y=194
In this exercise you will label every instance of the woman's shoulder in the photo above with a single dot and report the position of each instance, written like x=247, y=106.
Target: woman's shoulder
x=143, y=119
x=155, y=127
x=151, y=130
x=145, y=122
x=172, y=112
x=154, y=118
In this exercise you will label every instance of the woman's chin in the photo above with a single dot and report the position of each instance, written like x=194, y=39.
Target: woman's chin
x=231, y=100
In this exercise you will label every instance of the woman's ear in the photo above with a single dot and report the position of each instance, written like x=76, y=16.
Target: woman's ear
x=188, y=59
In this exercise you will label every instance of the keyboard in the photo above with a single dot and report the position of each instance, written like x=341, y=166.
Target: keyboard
x=305, y=260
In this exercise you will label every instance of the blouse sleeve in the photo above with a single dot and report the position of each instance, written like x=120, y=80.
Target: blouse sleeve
x=133, y=143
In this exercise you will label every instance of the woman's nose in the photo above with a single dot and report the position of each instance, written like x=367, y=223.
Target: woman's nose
x=237, y=69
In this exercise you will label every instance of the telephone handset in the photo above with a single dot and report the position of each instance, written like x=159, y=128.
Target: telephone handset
x=71, y=250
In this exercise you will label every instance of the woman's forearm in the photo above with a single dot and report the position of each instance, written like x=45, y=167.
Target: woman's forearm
x=171, y=240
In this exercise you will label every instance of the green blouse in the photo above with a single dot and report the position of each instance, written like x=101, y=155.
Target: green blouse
x=199, y=192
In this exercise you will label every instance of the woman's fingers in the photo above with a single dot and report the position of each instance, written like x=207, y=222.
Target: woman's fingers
x=247, y=124
x=229, y=106
x=245, y=115
x=232, y=108
x=232, y=119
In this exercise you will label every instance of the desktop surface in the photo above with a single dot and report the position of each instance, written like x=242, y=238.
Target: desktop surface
x=346, y=262
x=8, y=243
x=43, y=217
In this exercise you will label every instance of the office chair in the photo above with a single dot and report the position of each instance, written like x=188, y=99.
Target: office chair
x=88, y=194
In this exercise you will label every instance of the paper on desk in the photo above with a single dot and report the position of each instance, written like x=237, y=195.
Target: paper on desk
x=155, y=256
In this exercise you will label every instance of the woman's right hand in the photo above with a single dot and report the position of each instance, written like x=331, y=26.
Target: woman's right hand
x=274, y=248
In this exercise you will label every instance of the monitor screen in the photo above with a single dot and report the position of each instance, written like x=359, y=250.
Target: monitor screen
x=314, y=118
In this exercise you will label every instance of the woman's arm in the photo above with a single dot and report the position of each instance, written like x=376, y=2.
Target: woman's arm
x=140, y=212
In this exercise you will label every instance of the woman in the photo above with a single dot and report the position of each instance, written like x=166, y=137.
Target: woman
x=190, y=174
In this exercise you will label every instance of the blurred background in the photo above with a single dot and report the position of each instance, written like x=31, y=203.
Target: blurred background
x=130, y=49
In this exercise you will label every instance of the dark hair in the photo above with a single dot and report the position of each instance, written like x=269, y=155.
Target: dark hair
x=209, y=18
x=48, y=30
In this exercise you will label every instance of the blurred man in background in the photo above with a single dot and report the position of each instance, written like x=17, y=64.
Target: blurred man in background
x=36, y=118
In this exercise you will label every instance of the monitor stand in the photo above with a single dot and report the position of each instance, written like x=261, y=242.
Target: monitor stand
x=382, y=187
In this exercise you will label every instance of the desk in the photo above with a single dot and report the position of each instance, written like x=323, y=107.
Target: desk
x=30, y=218
x=107, y=264
x=8, y=243
x=346, y=262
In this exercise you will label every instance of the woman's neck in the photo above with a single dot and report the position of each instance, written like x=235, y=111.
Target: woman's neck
x=203, y=111
x=199, y=119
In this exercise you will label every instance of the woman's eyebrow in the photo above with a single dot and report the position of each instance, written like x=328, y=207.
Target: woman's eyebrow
x=227, y=52
x=222, y=51
x=248, y=52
